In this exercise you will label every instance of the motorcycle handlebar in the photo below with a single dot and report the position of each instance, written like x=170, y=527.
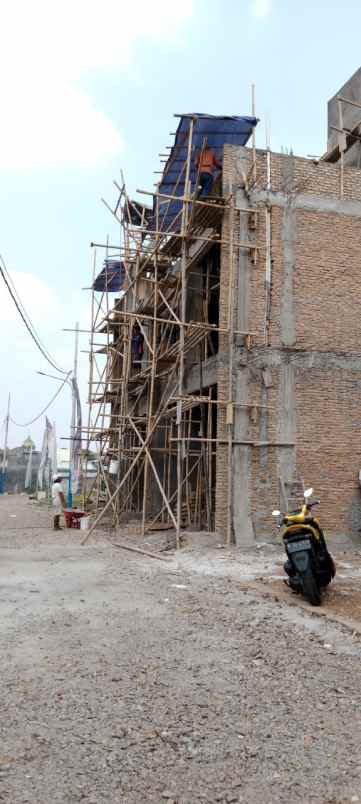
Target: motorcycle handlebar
x=284, y=517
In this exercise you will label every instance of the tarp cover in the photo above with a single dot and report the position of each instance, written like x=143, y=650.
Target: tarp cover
x=216, y=132
x=111, y=277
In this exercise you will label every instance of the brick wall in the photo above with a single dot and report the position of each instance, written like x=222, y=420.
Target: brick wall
x=315, y=326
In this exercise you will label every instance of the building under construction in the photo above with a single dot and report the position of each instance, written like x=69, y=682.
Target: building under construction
x=226, y=335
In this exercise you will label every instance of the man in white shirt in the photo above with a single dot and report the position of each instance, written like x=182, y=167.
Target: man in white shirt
x=58, y=500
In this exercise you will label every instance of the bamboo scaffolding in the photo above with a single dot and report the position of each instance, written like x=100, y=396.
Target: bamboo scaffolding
x=142, y=418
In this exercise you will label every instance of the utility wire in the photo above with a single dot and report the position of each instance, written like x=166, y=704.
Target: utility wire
x=24, y=314
x=25, y=318
x=26, y=424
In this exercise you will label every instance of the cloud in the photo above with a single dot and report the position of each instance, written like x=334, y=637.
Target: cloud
x=48, y=47
x=262, y=8
x=41, y=301
x=53, y=127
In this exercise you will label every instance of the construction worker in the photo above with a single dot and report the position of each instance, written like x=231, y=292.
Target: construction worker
x=137, y=346
x=58, y=499
x=206, y=163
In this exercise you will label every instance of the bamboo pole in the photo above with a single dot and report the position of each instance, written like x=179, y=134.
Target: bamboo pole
x=238, y=441
x=146, y=449
x=341, y=146
x=182, y=334
x=192, y=199
x=189, y=431
x=151, y=388
x=187, y=324
x=254, y=157
x=125, y=476
x=210, y=462
x=172, y=496
x=248, y=244
x=91, y=368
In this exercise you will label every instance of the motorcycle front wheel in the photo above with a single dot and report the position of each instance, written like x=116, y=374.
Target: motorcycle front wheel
x=310, y=587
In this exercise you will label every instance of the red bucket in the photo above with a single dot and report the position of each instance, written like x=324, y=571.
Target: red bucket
x=73, y=517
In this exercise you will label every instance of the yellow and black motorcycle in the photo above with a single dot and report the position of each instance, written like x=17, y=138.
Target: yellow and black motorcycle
x=309, y=566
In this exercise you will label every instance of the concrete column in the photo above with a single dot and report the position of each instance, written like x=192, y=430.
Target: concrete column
x=287, y=421
x=287, y=406
x=242, y=520
x=288, y=311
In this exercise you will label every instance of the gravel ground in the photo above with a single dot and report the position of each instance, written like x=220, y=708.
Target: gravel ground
x=125, y=679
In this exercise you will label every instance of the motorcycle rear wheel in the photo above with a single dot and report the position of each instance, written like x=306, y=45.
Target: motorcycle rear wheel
x=310, y=586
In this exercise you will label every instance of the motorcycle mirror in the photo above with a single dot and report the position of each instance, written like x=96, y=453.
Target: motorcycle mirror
x=308, y=493
x=276, y=513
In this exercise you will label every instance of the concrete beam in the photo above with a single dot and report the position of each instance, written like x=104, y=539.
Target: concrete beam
x=310, y=203
x=274, y=358
x=209, y=374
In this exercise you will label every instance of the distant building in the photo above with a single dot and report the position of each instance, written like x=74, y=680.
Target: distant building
x=28, y=445
x=17, y=461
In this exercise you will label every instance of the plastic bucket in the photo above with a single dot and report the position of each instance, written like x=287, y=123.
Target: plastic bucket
x=113, y=467
x=85, y=523
x=68, y=516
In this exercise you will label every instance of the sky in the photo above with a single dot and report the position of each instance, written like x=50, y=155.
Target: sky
x=89, y=89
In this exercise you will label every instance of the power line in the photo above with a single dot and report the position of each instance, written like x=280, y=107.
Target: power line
x=28, y=322
x=25, y=317
x=27, y=424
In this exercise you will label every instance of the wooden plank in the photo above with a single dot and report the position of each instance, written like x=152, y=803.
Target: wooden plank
x=139, y=551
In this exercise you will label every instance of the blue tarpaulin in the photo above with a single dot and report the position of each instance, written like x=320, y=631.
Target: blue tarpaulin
x=216, y=132
x=111, y=277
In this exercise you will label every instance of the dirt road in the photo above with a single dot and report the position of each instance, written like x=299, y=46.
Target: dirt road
x=124, y=679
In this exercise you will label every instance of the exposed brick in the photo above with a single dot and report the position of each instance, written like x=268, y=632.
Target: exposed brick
x=326, y=353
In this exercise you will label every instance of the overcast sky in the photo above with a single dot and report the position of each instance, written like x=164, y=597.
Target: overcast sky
x=89, y=88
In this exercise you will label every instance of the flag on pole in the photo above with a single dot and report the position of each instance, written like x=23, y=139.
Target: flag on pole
x=43, y=471
x=29, y=467
x=53, y=451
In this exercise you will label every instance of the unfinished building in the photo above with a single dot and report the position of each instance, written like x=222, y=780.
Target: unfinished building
x=226, y=370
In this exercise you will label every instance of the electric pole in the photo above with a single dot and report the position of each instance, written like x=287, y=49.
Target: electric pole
x=4, y=460
x=73, y=414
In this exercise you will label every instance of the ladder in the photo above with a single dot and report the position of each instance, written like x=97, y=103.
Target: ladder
x=291, y=493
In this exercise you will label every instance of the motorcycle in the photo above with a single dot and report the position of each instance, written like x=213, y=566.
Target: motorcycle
x=309, y=566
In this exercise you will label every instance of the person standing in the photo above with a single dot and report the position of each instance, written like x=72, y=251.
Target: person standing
x=137, y=346
x=207, y=163
x=58, y=499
